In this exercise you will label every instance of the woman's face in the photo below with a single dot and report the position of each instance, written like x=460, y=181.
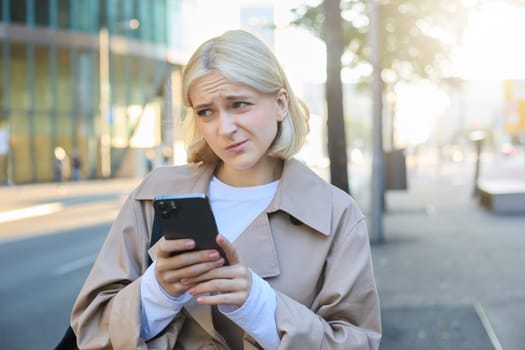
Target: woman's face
x=239, y=124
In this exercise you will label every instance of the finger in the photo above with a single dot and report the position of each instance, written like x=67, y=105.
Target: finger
x=229, y=250
x=232, y=298
x=186, y=274
x=219, y=286
x=186, y=259
x=175, y=280
x=228, y=272
x=167, y=247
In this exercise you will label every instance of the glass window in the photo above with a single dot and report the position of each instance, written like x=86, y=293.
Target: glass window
x=21, y=150
x=42, y=8
x=160, y=21
x=86, y=16
x=43, y=90
x=126, y=13
x=112, y=20
x=19, y=93
x=87, y=85
x=18, y=11
x=64, y=128
x=103, y=13
x=64, y=14
x=4, y=75
x=64, y=81
x=118, y=80
x=174, y=24
x=43, y=139
x=146, y=21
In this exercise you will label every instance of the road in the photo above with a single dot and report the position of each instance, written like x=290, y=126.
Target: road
x=49, y=238
x=40, y=278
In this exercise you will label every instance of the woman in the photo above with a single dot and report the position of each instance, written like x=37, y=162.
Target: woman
x=299, y=273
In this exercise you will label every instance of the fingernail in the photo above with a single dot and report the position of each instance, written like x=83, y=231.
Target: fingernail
x=190, y=244
x=219, y=262
x=213, y=254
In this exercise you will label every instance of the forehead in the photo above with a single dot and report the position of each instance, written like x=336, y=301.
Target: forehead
x=215, y=85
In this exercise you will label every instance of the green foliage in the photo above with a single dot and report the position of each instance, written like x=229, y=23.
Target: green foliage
x=416, y=37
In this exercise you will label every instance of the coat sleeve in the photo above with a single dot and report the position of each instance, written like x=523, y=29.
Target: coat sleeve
x=346, y=311
x=106, y=314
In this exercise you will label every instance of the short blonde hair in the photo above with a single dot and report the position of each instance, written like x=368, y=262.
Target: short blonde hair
x=243, y=58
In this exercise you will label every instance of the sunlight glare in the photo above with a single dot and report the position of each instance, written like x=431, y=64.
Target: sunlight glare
x=493, y=46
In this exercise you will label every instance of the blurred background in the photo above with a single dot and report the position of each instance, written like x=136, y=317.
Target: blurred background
x=417, y=110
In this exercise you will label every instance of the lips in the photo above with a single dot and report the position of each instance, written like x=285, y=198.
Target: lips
x=236, y=146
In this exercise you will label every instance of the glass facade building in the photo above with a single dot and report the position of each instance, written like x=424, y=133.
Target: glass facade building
x=90, y=77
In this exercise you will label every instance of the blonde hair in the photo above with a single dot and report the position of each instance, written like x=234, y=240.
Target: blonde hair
x=243, y=58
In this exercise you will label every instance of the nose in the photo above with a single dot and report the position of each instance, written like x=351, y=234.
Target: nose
x=227, y=124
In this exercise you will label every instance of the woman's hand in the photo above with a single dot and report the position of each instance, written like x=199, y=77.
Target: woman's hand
x=228, y=285
x=171, y=269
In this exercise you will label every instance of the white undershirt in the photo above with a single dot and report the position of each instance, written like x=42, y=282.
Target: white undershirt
x=257, y=315
x=228, y=202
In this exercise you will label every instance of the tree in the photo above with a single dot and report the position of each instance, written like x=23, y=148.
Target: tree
x=333, y=36
x=415, y=38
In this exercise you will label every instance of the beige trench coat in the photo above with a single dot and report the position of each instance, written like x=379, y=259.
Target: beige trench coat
x=311, y=244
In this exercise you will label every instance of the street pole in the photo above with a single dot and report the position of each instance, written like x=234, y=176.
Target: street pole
x=377, y=129
x=477, y=138
x=105, y=139
x=105, y=93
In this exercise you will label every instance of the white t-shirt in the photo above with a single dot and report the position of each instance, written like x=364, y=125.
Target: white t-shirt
x=227, y=202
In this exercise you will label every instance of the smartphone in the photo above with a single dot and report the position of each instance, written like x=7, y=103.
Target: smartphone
x=187, y=215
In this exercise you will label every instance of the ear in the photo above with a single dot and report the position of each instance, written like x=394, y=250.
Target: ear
x=282, y=104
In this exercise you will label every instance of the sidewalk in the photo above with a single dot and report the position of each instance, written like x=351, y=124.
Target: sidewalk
x=26, y=210
x=450, y=274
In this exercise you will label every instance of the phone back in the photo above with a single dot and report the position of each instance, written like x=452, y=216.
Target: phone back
x=187, y=216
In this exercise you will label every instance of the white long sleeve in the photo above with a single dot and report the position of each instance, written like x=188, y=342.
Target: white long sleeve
x=257, y=315
x=158, y=308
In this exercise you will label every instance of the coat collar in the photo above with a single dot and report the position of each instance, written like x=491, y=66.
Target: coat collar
x=305, y=196
x=174, y=180
x=300, y=192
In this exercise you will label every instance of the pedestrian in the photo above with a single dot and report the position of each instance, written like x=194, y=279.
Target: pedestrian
x=57, y=170
x=299, y=272
x=58, y=164
x=76, y=165
x=150, y=156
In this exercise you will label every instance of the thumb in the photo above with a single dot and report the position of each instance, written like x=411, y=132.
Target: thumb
x=229, y=250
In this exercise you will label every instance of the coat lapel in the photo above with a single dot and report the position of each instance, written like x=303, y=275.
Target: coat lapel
x=256, y=248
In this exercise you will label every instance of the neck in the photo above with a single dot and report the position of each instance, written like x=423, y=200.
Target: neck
x=251, y=177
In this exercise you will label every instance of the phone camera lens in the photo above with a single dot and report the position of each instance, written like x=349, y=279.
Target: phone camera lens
x=163, y=209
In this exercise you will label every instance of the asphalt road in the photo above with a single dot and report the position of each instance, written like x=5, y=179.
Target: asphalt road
x=49, y=238
x=41, y=277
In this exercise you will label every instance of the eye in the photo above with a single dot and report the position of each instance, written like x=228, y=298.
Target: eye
x=203, y=112
x=240, y=104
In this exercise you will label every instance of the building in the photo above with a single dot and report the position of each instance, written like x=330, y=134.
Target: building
x=97, y=78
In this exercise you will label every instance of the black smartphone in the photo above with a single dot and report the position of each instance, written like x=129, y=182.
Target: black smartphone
x=187, y=215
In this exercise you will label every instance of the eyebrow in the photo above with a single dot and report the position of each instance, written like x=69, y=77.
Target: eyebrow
x=229, y=98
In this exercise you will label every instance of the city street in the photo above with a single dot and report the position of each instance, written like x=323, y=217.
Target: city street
x=449, y=273
x=49, y=237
